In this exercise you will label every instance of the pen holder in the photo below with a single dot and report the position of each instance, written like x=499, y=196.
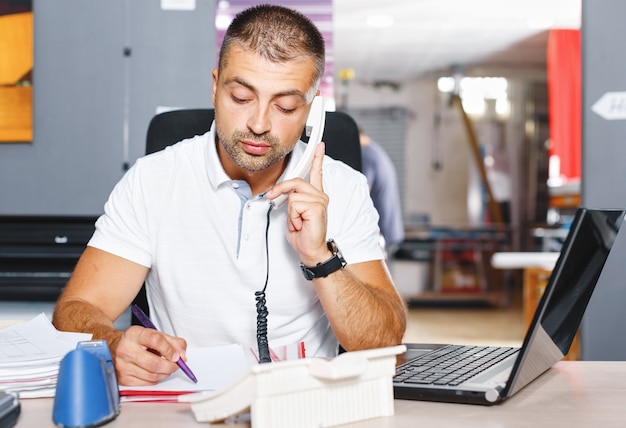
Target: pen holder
x=87, y=393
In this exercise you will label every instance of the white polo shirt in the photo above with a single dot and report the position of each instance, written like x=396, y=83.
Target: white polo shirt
x=203, y=236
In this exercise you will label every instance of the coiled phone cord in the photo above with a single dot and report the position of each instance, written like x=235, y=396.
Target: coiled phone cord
x=261, y=308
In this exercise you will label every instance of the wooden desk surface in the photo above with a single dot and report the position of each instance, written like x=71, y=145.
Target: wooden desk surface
x=572, y=393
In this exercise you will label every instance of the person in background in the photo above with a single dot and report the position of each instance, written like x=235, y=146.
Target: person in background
x=197, y=224
x=383, y=183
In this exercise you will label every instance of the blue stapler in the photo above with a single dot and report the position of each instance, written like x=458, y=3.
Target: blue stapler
x=87, y=394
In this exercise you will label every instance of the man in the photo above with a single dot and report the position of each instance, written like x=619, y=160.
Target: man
x=383, y=182
x=196, y=223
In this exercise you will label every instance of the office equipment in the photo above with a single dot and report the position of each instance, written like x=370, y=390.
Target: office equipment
x=314, y=129
x=87, y=394
x=38, y=253
x=312, y=392
x=145, y=321
x=9, y=409
x=548, y=339
x=537, y=268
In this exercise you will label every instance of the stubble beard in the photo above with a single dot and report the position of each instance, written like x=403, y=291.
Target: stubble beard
x=253, y=163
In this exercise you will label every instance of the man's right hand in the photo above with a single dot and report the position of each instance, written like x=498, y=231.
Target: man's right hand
x=144, y=356
x=100, y=289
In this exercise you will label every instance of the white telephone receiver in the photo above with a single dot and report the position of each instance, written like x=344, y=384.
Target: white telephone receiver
x=314, y=130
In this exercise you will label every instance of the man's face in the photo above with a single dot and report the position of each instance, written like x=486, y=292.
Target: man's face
x=260, y=107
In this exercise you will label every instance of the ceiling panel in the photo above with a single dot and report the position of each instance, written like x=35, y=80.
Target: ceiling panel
x=434, y=36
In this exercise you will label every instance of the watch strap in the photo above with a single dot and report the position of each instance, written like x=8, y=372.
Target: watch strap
x=324, y=269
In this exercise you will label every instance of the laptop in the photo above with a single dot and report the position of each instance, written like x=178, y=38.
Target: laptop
x=488, y=375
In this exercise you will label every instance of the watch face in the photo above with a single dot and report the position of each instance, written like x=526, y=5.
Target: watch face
x=308, y=274
x=332, y=246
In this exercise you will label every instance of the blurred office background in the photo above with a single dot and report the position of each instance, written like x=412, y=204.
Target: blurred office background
x=501, y=170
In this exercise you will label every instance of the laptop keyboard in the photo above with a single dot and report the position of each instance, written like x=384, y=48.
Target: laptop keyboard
x=451, y=365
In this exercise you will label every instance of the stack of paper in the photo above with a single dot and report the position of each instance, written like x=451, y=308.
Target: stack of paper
x=30, y=355
x=215, y=367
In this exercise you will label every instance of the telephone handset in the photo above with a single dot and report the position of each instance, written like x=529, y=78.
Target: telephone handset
x=314, y=130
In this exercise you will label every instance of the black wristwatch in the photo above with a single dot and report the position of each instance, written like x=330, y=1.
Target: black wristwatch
x=324, y=269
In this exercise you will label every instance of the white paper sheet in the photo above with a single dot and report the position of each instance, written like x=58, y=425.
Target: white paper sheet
x=215, y=368
x=30, y=355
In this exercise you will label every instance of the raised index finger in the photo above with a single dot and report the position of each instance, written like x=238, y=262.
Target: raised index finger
x=315, y=174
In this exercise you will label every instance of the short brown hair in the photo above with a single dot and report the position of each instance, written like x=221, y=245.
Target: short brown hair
x=278, y=34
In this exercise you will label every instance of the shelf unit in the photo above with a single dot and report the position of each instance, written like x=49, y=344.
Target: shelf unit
x=457, y=265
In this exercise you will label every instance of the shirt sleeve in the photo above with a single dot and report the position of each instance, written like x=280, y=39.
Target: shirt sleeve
x=352, y=218
x=123, y=228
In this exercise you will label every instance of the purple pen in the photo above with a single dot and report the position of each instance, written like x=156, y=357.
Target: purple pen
x=145, y=321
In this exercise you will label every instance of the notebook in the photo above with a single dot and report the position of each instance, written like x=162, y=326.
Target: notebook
x=493, y=374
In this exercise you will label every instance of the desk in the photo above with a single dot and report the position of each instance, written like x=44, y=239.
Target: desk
x=572, y=393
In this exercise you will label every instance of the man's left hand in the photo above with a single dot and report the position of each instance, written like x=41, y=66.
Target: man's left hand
x=306, y=212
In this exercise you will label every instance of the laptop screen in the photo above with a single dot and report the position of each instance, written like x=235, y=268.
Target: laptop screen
x=561, y=308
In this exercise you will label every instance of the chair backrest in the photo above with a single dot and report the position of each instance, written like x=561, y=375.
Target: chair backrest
x=341, y=133
x=341, y=136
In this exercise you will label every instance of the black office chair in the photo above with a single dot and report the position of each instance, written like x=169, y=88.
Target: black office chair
x=341, y=133
x=341, y=136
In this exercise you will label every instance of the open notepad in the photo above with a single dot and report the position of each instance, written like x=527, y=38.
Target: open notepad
x=215, y=367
